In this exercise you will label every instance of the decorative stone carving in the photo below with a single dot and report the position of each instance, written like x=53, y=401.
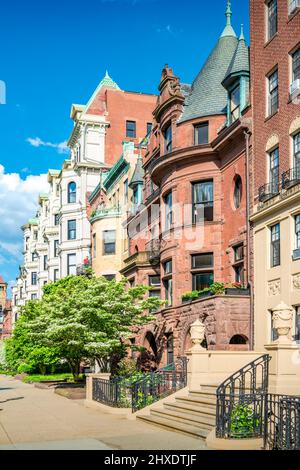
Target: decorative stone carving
x=274, y=287
x=283, y=323
x=296, y=281
x=273, y=141
x=197, y=334
x=295, y=126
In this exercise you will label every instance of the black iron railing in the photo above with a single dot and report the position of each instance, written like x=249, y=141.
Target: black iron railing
x=267, y=191
x=125, y=392
x=241, y=401
x=159, y=384
x=282, y=423
x=114, y=392
x=290, y=178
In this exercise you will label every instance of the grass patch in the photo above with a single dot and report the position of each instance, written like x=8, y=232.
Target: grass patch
x=39, y=378
x=7, y=372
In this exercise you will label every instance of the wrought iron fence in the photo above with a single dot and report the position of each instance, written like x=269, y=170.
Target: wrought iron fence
x=126, y=392
x=241, y=401
x=159, y=384
x=282, y=423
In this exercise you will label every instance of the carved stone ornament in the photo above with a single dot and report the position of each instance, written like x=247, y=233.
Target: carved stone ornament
x=296, y=281
x=274, y=287
x=197, y=334
x=283, y=323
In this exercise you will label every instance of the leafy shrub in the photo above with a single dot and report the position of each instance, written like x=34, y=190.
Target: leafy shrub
x=25, y=369
x=191, y=295
x=244, y=422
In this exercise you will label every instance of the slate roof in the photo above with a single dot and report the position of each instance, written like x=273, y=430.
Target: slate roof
x=208, y=97
x=138, y=175
x=240, y=61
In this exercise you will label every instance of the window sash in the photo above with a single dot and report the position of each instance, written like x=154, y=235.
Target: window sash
x=296, y=65
x=71, y=229
x=235, y=102
x=203, y=261
x=109, y=242
x=239, y=253
x=201, y=134
x=272, y=18
x=297, y=231
x=168, y=267
x=168, y=139
x=203, y=199
x=71, y=264
x=275, y=245
x=154, y=281
x=71, y=193
x=131, y=129
x=202, y=280
x=274, y=169
x=297, y=150
x=169, y=291
x=168, y=211
x=297, y=325
x=273, y=93
x=34, y=279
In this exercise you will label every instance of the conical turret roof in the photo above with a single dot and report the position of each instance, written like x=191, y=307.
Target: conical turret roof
x=139, y=173
x=240, y=61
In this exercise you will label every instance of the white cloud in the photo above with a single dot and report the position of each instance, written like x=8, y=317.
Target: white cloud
x=37, y=142
x=18, y=203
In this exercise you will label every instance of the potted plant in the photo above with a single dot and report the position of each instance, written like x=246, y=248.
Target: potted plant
x=205, y=293
x=217, y=288
x=244, y=423
x=236, y=289
x=190, y=296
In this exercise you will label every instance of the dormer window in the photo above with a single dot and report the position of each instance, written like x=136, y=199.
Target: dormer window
x=235, y=104
x=168, y=139
x=201, y=134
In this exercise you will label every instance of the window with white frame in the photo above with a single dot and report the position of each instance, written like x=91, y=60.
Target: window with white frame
x=293, y=5
x=274, y=170
x=235, y=104
x=71, y=264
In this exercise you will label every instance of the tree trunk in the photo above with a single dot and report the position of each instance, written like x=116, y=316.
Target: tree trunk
x=75, y=369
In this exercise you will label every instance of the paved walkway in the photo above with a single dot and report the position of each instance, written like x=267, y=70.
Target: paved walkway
x=31, y=418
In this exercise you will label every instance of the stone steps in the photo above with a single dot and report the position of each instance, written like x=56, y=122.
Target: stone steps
x=194, y=431
x=193, y=413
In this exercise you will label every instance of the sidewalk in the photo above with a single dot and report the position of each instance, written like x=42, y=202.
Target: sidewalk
x=40, y=419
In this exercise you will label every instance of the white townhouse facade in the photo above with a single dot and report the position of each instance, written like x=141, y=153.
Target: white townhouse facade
x=58, y=241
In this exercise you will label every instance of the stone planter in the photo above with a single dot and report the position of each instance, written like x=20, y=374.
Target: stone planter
x=205, y=294
x=235, y=291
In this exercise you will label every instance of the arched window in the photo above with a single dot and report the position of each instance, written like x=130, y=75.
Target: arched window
x=71, y=192
x=239, y=339
x=237, y=195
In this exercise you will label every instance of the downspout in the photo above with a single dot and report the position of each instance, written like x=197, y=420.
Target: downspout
x=248, y=271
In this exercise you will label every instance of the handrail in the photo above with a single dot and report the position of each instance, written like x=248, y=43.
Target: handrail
x=241, y=401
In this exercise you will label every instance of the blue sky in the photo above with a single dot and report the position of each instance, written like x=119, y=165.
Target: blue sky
x=55, y=53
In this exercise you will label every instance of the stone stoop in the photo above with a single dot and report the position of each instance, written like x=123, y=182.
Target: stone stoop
x=192, y=413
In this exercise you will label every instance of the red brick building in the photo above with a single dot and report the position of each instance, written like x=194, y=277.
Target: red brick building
x=5, y=311
x=191, y=230
x=275, y=78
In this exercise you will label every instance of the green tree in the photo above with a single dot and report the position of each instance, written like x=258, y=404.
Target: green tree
x=24, y=353
x=84, y=317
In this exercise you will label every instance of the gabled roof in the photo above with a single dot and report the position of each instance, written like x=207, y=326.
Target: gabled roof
x=139, y=173
x=106, y=82
x=208, y=97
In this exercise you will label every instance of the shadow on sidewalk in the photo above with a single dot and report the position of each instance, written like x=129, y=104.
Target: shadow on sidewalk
x=12, y=399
